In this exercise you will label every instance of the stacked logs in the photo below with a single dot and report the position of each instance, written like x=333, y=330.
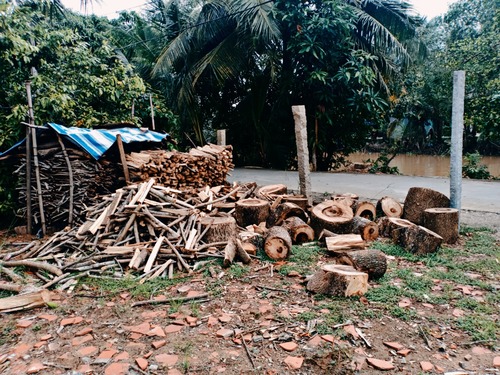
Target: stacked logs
x=201, y=166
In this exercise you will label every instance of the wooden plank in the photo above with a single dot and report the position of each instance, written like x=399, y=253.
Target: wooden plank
x=123, y=159
x=154, y=254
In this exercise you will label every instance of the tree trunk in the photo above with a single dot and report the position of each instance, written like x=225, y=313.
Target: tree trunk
x=221, y=228
x=342, y=242
x=443, y=221
x=388, y=206
x=251, y=211
x=338, y=280
x=278, y=243
x=299, y=231
x=334, y=216
x=365, y=209
x=417, y=239
x=372, y=262
x=364, y=227
x=284, y=211
x=418, y=200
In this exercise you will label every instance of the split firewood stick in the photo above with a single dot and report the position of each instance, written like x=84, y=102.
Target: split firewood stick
x=127, y=226
x=134, y=257
x=241, y=253
x=179, y=257
x=10, y=287
x=213, y=244
x=154, y=254
x=229, y=253
x=232, y=192
x=171, y=271
x=170, y=300
x=55, y=280
x=14, y=254
x=160, y=270
x=136, y=232
x=33, y=264
x=155, y=222
x=143, y=255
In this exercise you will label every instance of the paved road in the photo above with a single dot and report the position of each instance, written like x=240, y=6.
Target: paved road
x=476, y=195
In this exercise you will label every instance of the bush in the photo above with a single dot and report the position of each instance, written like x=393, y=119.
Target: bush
x=472, y=167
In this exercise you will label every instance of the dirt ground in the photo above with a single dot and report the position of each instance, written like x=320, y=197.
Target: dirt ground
x=253, y=320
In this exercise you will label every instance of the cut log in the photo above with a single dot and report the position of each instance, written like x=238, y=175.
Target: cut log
x=267, y=192
x=372, y=262
x=348, y=198
x=284, y=211
x=299, y=231
x=343, y=242
x=418, y=200
x=251, y=211
x=299, y=200
x=338, y=280
x=251, y=241
x=334, y=216
x=386, y=225
x=241, y=253
x=417, y=239
x=278, y=243
x=443, y=221
x=390, y=207
x=220, y=228
x=367, y=229
x=25, y=301
x=365, y=209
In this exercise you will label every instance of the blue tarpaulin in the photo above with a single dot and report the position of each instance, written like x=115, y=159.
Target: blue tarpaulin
x=97, y=141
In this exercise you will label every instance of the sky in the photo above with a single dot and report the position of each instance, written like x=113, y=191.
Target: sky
x=109, y=8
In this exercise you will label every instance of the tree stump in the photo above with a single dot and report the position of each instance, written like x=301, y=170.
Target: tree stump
x=278, y=243
x=251, y=211
x=443, y=221
x=341, y=242
x=390, y=207
x=220, y=228
x=372, y=262
x=299, y=231
x=267, y=192
x=365, y=209
x=417, y=239
x=338, y=280
x=284, y=211
x=334, y=216
x=364, y=227
x=386, y=225
x=418, y=200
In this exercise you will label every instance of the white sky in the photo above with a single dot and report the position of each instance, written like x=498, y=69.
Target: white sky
x=109, y=8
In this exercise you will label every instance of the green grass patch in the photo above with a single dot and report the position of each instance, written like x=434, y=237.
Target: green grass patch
x=480, y=327
x=303, y=260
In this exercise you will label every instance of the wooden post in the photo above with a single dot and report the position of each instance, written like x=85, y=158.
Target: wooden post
x=457, y=131
x=29, y=210
x=299, y=116
x=71, y=180
x=152, y=112
x=123, y=159
x=221, y=137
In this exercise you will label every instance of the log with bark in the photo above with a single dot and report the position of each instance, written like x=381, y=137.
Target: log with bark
x=278, y=243
x=418, y=200
x=417, y=239
x=341, y=242
x=284, y=211
x=251, y=211
x=338, y=280
x=334, y=216
x=367, y=229
x=298, y=199
x=443, y=221
x=388, y=206
x=365, y=209
x=251, y=241
x=299, y=231
x=218, y=228
x=386, y=225
x=372, y=262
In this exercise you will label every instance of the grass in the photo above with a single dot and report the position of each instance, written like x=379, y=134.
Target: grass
x=303, y=260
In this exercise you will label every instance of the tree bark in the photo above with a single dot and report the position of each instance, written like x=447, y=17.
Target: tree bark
x=388, y=206
x=372, y=262
x=338, y=280
x=278, y=243
x=251, y=211
x=443, y=221
x=364, y=227
x=299, y=231
x=284, y=211
x=418, y=200
x=334, y=216
x=417, y=239
x=386, y=225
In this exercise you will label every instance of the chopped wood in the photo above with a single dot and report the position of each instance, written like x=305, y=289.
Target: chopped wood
x=299, y=231
x=229, y=253
x=372, y=262
x=283, y=211
x=443, y=221
x=338, y=280
x=388, y=206
x=417, y=239
x=278, y=243
x=25, y=301
x=335, y=216
x=344, y=242
x=419, y=199
x=367, y=229
x=251, y=211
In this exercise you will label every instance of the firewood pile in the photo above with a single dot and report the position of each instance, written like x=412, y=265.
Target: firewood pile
x=68, y=180
x=148, y=230
x=201, y=166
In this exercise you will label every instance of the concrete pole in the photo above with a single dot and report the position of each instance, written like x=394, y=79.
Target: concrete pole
x=457, y=131
x=221, y=137
x=299, y=116
x=152, y=112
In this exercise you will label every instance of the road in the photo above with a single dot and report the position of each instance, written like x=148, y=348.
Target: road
x=477, y=195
